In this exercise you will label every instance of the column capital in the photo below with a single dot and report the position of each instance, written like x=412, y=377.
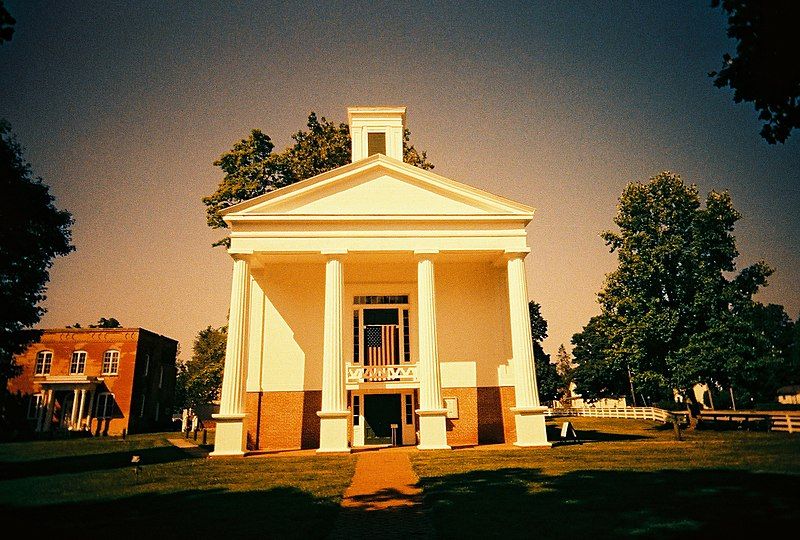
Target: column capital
x=425, y=254
x=333, y=253
x=241, y=255
x=519, y=253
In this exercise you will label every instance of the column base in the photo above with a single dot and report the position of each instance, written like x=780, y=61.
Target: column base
x=432, y=430
x=333, y=432
x=229, y=441
x=531, y=430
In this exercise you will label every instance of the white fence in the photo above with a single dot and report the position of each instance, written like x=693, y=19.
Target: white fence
x=777, y=421
x=630, y=413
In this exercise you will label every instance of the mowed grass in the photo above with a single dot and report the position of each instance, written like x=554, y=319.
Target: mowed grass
x=629, y=479
x=73, y=487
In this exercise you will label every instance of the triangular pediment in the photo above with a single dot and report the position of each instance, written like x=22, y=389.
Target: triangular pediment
x=378, y=186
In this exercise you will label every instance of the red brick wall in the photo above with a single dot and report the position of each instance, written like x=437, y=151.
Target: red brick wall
x=464, y=429
x=288, y=420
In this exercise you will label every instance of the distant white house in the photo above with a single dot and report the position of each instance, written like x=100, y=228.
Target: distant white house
x=789, y=395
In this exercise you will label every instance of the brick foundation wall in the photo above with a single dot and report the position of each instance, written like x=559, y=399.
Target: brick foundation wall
x=464, y=429
x=287, y=420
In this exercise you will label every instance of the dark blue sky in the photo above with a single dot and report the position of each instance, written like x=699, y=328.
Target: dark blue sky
x=122, y=109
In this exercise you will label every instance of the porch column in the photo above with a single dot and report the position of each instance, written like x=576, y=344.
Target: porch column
x=432, y=422
x=230, y=419
x=334, y=414
x=89, y=412
x=47, y=395
x=48, y=416
x=81, y=408
x=74, y=416
x=528, y=415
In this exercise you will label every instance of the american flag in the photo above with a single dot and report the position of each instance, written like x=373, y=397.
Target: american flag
x=380, y=341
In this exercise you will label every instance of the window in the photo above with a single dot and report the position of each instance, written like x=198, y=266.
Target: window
x=386, y=299
x=406, y=338
x=43, y=362
x=355, y=337
x=158, y=409
x=356, y=410
x=105, y=405
x=409, y=409
x=160, y=376
x=376, y=143
x=141, y=411
x=146, y=364
x=35, y=405
x=111, y=363
x=78, y=364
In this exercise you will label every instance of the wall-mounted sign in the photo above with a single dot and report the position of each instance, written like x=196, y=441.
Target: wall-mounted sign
x=451, y=404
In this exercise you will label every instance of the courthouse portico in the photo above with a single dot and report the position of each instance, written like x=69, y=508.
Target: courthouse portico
x=378, y=303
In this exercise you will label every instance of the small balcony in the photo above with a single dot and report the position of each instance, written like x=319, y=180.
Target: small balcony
x=405, y=374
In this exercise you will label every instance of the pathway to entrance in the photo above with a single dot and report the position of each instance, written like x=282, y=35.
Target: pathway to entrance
x=383, y=499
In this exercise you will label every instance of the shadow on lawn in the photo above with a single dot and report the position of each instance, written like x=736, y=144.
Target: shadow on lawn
x=281, y=512
x=89, y=462
x=524, y=503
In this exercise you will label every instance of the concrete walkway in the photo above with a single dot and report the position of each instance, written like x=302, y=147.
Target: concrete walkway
x=188, y=447
x=383, y=499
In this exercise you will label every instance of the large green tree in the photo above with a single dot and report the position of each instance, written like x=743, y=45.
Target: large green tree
x=32, y=233
x=674, y=313
x=765, y=70
x=547, y=378
x=252, y=168
x=200, y=378
x=6, y=24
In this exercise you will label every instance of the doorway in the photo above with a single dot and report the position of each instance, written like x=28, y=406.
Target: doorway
x=381, y=412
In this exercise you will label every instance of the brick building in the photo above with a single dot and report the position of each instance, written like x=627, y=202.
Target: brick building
x=378, y=303
x=101, y=380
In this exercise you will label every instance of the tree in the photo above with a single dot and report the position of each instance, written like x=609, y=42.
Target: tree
x=547, y=379
x=765, y=70
x=252, y=169
x=565, y=369
x=670, y=317
x=200, y=378
x=106, y=323
x=32, y=233
x=7, y=23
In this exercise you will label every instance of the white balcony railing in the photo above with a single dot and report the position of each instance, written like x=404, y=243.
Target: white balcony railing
x=397, y=373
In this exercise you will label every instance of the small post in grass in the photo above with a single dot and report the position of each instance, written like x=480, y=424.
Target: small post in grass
x=676, y=427
x=205, y=436
x=136, y=461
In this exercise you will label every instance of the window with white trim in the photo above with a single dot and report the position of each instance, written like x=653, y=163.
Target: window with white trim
x=158, y=409
x=44, y=360
x=160, y=376
x=409, y=409
x=35, y=406
x=356, y=410
x=78, y=364
x=146, y=364
x=141, y=411
x=105, y=405
x=111, y=363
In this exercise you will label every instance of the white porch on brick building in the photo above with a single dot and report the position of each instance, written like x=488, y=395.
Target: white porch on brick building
x=375, y=279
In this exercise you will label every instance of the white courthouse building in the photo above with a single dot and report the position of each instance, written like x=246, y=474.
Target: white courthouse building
x=378, y=303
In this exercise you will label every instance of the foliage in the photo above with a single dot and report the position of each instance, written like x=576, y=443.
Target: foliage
x=252, y=168
x=32, y=233
x=200, y=378
x=565, y=370
x=765, y=70
x=547, y=379
x=6, y=24
x=670, y=316
x=106, y=323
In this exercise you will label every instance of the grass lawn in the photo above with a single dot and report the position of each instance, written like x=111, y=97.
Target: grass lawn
x=630, y=479
x=88, y=486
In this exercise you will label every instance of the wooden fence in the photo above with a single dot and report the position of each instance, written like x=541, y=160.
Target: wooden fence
x=631, y=413
x=773, y=420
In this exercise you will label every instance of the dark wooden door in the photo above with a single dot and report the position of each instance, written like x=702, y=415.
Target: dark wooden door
x=380, y=412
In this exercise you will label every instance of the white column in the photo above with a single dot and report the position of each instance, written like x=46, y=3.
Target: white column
x=334, y=414
x=432, y=421
x=48, y=416
x=46, y=397
x=230, y=420
x=74, y=416
x=90, y=411
x=81, y=408
x=528, y=415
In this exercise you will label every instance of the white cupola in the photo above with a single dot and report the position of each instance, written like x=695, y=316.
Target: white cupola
x=377, y=130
